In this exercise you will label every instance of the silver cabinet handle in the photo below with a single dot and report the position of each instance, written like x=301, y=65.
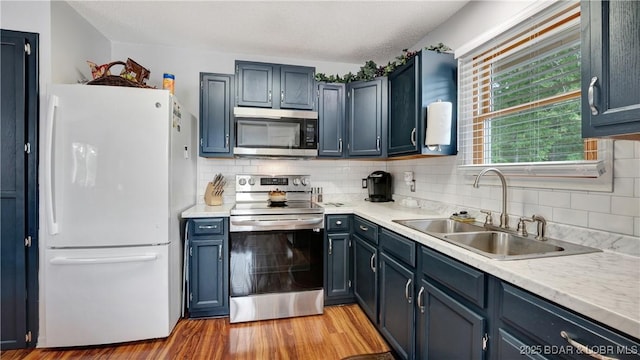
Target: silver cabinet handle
x=207, y=227
x=269, y=96
x=420, y=302
x=330, y=246
x=584, y=349
x=413, y=137
x=220, y=253
x=590, y=97
x=406, y=292
x=282, y=95
x=378, y=143
x=340, y=145
x=371, y=265
x=226, y=141
x=363, y=228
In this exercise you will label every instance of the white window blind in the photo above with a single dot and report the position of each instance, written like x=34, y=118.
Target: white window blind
x=519, y=98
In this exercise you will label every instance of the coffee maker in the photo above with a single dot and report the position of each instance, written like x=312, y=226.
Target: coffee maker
x=379, y=185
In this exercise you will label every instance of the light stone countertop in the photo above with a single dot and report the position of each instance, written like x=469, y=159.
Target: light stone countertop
x=603, y=286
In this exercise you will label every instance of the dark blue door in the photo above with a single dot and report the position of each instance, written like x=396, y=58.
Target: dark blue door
x=297, y=87
x=365, y=277
x=13, y=193
x=216, y=107
x=331, y=117
x=396, y=306
x=366, y=115
x=255, y=84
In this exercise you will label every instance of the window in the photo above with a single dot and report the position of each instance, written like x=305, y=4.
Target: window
x=519, y=97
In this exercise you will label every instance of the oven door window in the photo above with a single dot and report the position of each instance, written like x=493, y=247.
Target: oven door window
x=265, y=262
x=276, y=134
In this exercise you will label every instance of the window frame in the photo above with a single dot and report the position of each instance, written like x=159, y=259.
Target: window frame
x=593, y=173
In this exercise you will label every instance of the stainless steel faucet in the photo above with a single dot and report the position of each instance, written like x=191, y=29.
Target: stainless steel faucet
x=504, y=218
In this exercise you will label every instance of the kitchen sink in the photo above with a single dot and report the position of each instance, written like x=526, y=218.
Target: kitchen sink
x=441, y=226
x=501, y=244
x=498, y=245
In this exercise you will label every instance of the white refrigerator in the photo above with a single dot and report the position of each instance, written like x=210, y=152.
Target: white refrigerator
x=118, y=168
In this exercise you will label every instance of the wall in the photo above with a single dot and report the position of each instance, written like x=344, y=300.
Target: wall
x=74, y=41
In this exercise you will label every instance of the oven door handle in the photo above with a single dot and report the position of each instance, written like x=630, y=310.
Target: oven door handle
x=277, y=222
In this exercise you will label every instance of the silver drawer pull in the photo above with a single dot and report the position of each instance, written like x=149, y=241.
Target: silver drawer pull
x=364, y=228
x=583, y=348
x=406, y=292
x=420, y=302
x=207, y=227
x=338, y=222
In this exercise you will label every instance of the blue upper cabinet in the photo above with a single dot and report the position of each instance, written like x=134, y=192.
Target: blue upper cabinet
x=216, y=106
x=611, y=69
x=255, y=84
x=331, y=117
x=424, y=79
x=297, y=86
x=367, y=118
x=275, y=86
x=404, y=109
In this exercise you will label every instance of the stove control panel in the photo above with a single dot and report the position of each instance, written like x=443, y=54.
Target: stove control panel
x=266, y=183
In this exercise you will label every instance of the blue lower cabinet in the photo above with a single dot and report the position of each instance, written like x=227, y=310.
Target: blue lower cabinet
x=208, y=263
x=447, y=328
x=510, y=347
x=365, y=277
x=397, y=310
x=551, y=331
x=338, y=270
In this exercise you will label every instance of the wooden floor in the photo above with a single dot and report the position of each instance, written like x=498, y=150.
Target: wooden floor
x=341, y=331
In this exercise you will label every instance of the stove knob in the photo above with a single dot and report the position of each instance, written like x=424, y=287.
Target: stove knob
x=242, y=181
x=305, y=181
x=252, y=181
x=296, y=181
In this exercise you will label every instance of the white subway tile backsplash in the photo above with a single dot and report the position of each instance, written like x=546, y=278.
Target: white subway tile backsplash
x=626, y=168
x=570, y=217
x=623, y=187
x=438, y=179
x=614, y=223
x=624, y=149
x=591, y=202
x=555, y=199
x=625, y=206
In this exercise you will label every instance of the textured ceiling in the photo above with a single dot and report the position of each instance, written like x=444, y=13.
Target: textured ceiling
x=338, y=31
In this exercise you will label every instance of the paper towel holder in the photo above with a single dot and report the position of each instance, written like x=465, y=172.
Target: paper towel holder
x=436, y=147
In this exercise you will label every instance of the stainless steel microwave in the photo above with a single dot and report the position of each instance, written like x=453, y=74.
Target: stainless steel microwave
x=275, y=132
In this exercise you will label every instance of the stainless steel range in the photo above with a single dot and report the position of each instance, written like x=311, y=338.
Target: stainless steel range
x=276, y=267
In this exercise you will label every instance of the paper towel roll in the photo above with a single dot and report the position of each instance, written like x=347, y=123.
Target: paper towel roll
x=439, y=123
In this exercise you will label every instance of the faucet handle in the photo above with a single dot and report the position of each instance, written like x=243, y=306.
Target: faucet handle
x=522, y=226
x=488, y=220
x=542, y=227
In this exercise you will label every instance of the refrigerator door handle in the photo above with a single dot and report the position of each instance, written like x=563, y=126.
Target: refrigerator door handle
x=48, y=178
x=104, y=260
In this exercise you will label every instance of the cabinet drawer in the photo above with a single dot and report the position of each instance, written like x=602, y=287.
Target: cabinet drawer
x=459, y=277
x=338, y=222
x=365, y=229
x=544, y=322
x=207, y=226
x=402, y=248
